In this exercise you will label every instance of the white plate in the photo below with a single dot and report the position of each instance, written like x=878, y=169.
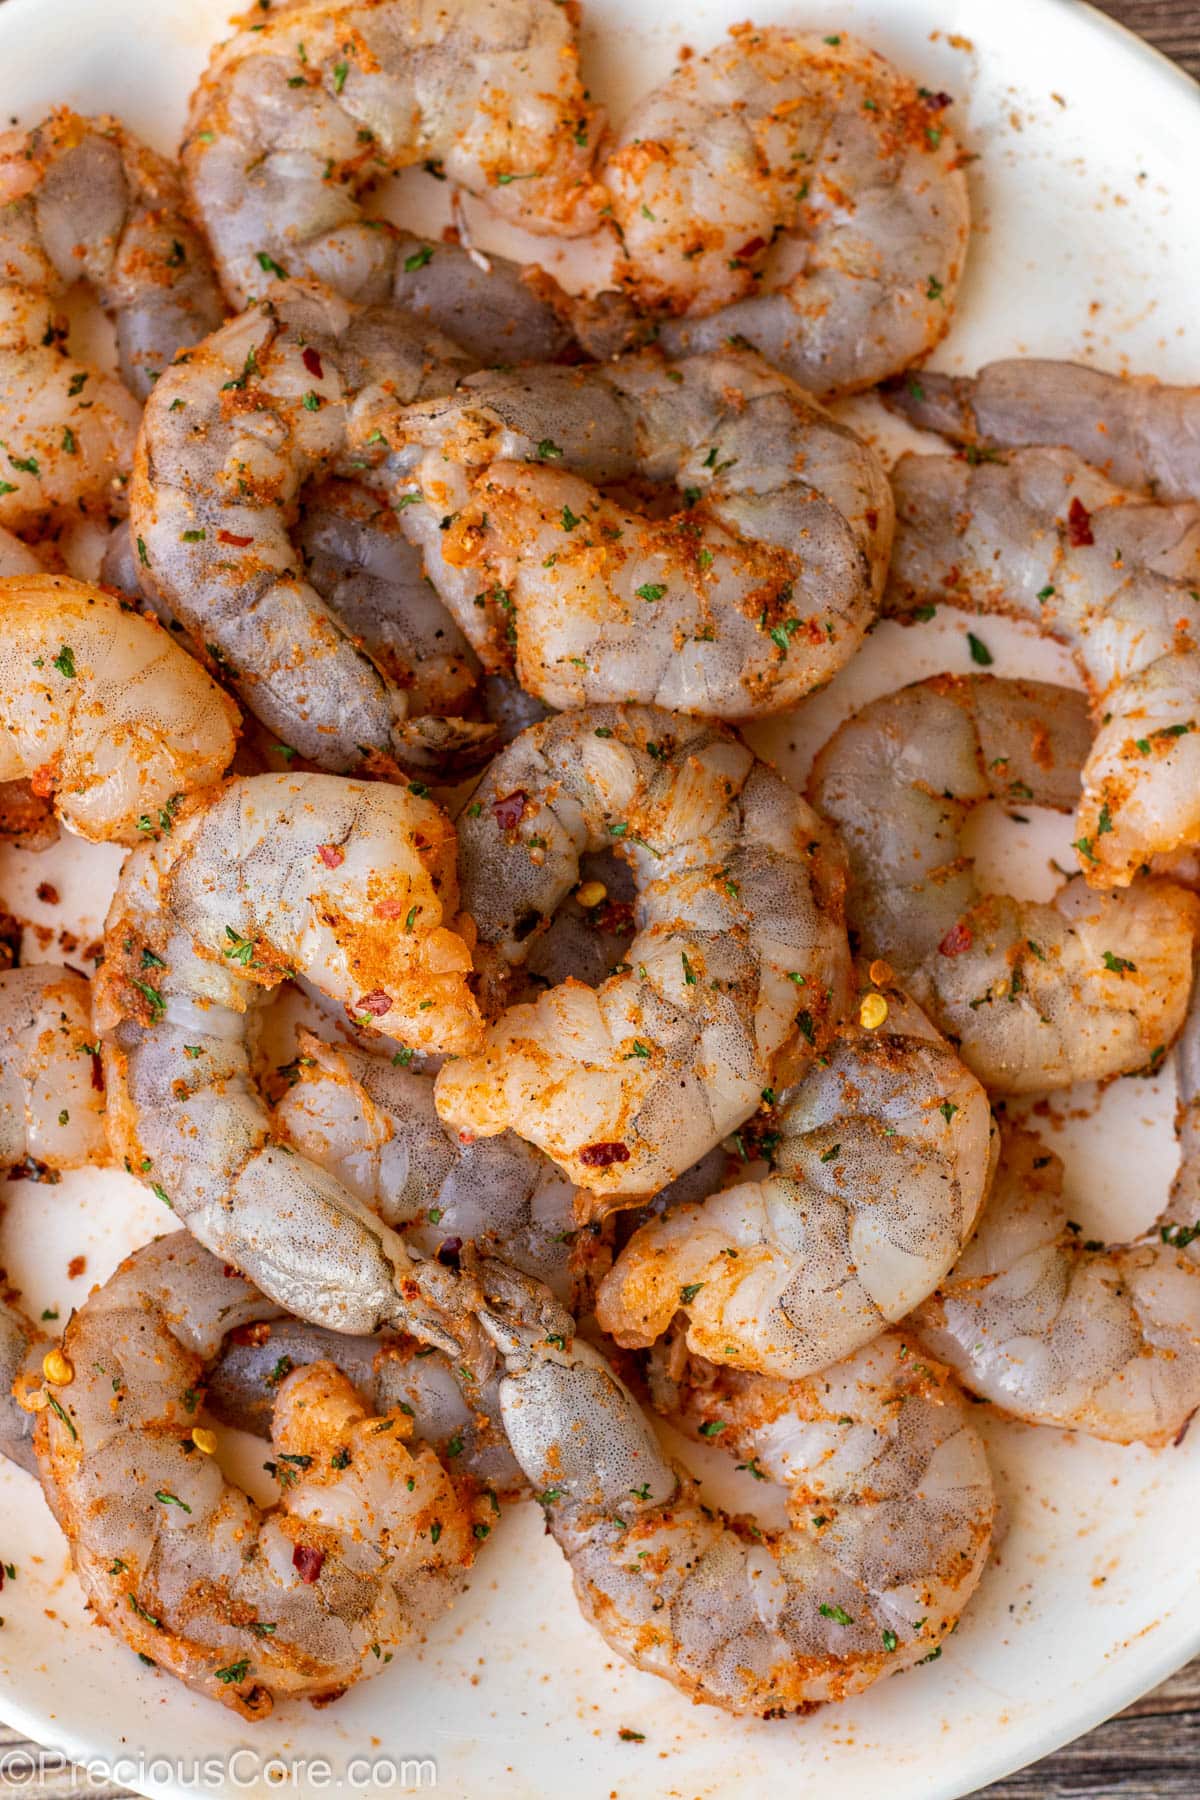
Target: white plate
x=1087, y=243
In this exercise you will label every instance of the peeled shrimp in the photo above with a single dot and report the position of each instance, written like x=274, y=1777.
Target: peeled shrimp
x=738, y=971
x=881, y=1159
x=370, y=1121
x=100, y=709
x=1142, y=434
x=245, y=1604
x=1058, y=1330
x=889, y=1516
x=83, y=199
x=297, y=115
x=1041, y=535
x=230, y=435
x=51, y=1086
x=1036, y=995
x=19, y=1340
x=373, y=579
x=797, y=193
x=740, y=601
x=349, y=884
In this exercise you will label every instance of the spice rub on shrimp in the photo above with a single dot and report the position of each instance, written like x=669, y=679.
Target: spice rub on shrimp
x=298, y=115
x=795, y=192
x=51, y=1085
x=83, y=199
x=1142, y=434
x=1060, y=1330
x=880, y=1161
x=1041, y=535
x=231, y=434
x=757, y=584
x=366, y=1543
x=889, y=1514
x=738, y=971
x=102, y=711
x=1035, y=994
x=349, y=884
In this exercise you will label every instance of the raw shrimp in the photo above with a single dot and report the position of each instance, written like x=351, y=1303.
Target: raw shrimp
x=737, y=974
x=370, y=1121
x=19, y=1341
x=456, y=1416
x=889, y=1516
x=1036, y=994
x=51, y=1085
x=756, y=586
x=1042, y=536
x=373, y=579
x=348, y=883
x=230, y=435
x=1143, y=434
x=498, y=311
x=1060, y=1330
x=881, y=1159
x=366, y=1543
x=296, y=116
x=798, y=193
x=102, y=711
x=83, y=199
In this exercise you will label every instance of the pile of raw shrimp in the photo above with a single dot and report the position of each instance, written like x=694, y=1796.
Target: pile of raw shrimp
x=521, y=1056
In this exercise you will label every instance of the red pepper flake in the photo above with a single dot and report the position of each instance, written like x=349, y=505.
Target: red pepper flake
x=332, y=855
x=376, y=1003
x=1079, y=525
x=937, y=102
x=600, y=1156
x=97, y=1071
x=231, y=537
x=390, y=909
x=312, y=362
x=510, y=810
x=47, y=893
x=751, y=247
x=75, y=1267
x=308, y=1562
x=956, y=940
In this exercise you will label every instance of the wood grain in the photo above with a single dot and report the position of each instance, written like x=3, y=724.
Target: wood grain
x=1152, y=1750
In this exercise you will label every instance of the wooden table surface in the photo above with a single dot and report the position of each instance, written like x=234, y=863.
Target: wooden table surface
x=1152, y=1750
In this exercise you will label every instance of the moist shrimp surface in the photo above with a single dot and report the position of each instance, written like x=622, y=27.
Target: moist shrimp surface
x=102, y=711
x=798, y=193
x=82, y=199
x=1043, y=536
x=1060, y=1330
x=880, y=1161
x=755, y=586
x=229, y=437
x=351, y=885
x=736, y=975
x=1037, y=995
x=297, y=115
x=51, y=1086
x=367, y=1542
x=889, y=1513
x=1142, y=434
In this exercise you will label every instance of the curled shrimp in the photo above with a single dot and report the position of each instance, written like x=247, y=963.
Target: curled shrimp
x=295, y=117
x=1142, y=434
x=371, y=1122
x=454, y=1415
x=740, y=601
x=880, y=1161
x=246, y=1604
x=102, y=711
x=739, y=969
x=349, y=884
x=82, y=198
x=1036, y=994
x=230, y=435
x=1041, y=535
x=51, y=1085
x=799, y=193
x=1059, y=1330
x=889, y=1515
